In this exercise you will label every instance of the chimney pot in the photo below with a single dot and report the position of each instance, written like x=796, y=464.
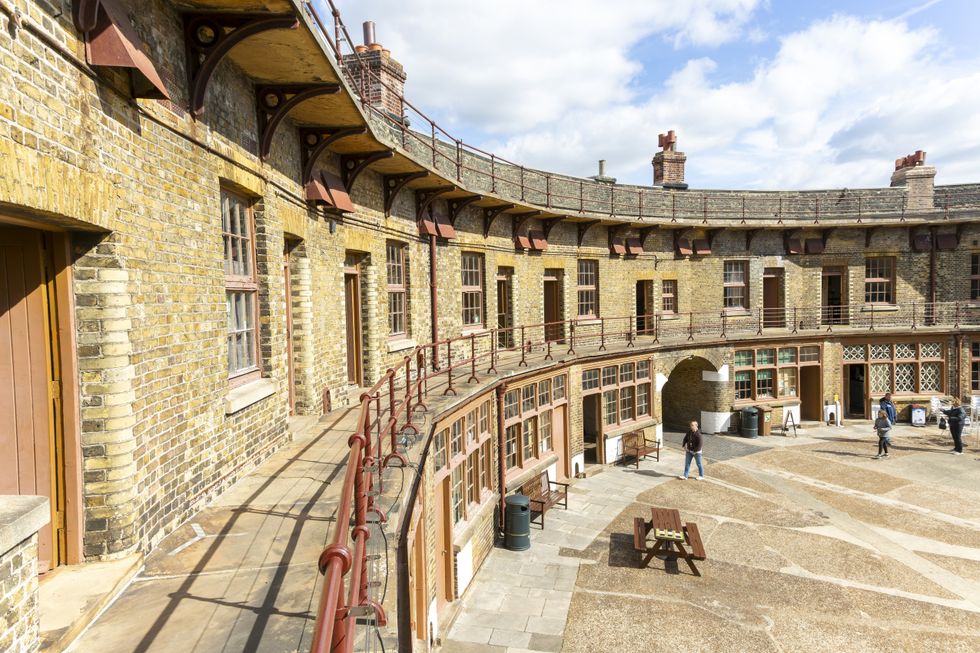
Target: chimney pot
x=369, y=38
x=602, y=167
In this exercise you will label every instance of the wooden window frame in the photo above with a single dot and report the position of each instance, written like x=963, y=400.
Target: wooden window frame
x=730, y=286
x=974, y=277
x=887, y=283
x=556, y=396
x=473, y=292
x=241, y=284
x=473, y=460
x=668, y=298
x=776, y=366
x=396, y=269
x=587, y=293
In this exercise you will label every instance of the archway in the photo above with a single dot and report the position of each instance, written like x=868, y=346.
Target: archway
x=687, y=393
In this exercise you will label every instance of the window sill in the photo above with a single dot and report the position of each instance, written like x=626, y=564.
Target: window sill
x=473, y=331
x=666, y=317
x=972, y=306
x=248, y=394
x=879, y=308
x=463, y=531
x=622, y=428
x=587, y=321
x=401, y=345
x=737, y=312
x=515, y=478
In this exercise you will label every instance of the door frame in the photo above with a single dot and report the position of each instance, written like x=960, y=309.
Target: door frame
x=290, y=363
x=555, y=277
x=826, y=272
x=774, y=316
x=352, y=313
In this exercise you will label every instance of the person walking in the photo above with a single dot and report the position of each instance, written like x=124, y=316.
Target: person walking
x=887, y=405
x=956, y=416
x=693, y=442
x=883, y=427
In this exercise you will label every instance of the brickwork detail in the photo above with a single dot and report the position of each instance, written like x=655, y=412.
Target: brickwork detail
x=20, y=621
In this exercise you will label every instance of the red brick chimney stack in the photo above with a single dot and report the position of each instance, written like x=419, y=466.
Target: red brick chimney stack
x=384, y=85
x=912, y=172
x=668, y=163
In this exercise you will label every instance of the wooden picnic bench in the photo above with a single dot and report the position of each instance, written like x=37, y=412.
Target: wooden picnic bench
x=636, y=444
x=541, y=495
x=668, y=532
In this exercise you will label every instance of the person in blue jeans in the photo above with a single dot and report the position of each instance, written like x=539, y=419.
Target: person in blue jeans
x=693, y=442
x=886, y=404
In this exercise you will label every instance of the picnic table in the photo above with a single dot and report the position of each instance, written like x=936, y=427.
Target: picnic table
x=668, y=533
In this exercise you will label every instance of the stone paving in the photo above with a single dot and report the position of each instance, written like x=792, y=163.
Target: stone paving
x=812, y=545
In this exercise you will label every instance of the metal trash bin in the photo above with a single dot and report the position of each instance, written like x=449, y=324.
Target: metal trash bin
x=918, y=415
x=517, y=522
x=750, y=423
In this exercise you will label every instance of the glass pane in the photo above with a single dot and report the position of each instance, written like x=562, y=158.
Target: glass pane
x=931, y=350
x=787, y=355
x=609, y=375
x=905, y=350
x=625, y=372
x=931, y=377
x=787, y=382
x=558, y=392
x=809, y=354
x=743, y=358
x=881, y=352
x=765, y=357
x=881, y=378
x=905, y=377
x=643, y=370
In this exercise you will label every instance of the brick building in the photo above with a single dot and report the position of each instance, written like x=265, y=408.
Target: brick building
x=205, y=230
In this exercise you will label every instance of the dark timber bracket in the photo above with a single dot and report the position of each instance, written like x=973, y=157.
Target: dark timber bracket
x=645, y=234
x=425, y=197
x=352, y=165
x=825, y=235
x=868, y=233
x=710, y=235
x=521, y=218
x=959, y=232
x=315, y=140
x=750, y=235
x=583, y=228
x=457, y=205
x=275, y=101
x=393, y=184
x=209, y=37
x=490, y=215
x=548, y=225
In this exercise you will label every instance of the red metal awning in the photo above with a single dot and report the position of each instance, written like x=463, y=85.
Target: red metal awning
x=794, y=246
x=814, y=246
x=634, y=247
x=701, y=247
x=437, y=226
x=112, y=41
x=946, y=242
x=538, y=241
x=329, y=190
x=684, y=247
x=617, y=246
x=522, y=242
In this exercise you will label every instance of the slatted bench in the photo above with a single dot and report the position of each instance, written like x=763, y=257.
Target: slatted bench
x=637, y=445
x=542, y=497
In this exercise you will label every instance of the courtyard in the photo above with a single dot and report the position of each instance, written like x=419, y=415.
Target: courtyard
x=812, y=545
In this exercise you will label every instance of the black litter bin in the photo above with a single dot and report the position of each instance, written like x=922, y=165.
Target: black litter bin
x=517, y=523
x=750, y=423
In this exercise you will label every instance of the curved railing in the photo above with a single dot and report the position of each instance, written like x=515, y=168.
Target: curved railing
x=389, y=409
x=480, y=171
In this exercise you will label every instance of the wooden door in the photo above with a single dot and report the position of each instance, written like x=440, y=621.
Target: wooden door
x=644, y=306
x=31, y=446
x=773, y=312
x=289, y=329
x=352, y=302
x=444, y=547
x=833, y=296
x=418, y=580
x=553, y=314
x=559, y=436
x=505, y=310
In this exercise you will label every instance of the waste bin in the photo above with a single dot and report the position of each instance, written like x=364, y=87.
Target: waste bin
x=517, y=522
x=918, y=415
x=765, y=420
x=750, y=423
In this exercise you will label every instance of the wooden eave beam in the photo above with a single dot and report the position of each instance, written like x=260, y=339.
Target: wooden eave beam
x=490, y=215
x=393, y=184
x=352, y=165
x=520, y=219
x=425, y=197
x=548, y=224
x=645, y=234
x=315, y=141
x=583, y=229
x=275, y=101
x=457, y=205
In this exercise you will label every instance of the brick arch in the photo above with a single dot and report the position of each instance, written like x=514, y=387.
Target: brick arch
x=686, y=394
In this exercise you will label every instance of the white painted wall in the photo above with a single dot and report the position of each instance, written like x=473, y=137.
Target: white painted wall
x=578, y=459
x=795, y=410
x=720, y=376
x=661, y=381
x=433, y=619
x=614, y=448
x=464, y=567
x=715, y=422
x=660, y=434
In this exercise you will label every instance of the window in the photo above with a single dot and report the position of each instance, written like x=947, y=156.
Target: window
x=975, y=366
x=558, y=385
x=588, y=288
x=456, y=494
x=642, y=400
x=440, y=447
x=743, y=385
x=511, y=408
x=486, y=466
x=769, y=373
x=397, y=290
x=736, y=285
x=473, y=477
x=903, y=367
x=485, y=417
x=544, y=392
x=456, y=439
x=975, y=276
x=879, y=280
x=810, y=354
x=668, y=296
x=472, y=266
x=468, y=464
x=241, y=288
x=625, y=372
x=529, y=433
x=763, y=384
x=590, y=379
x=643, y=369
x=627, y=397
x=787, y=382
x=625, y=391
x=471, y=427
x=609, y=401
x=609, y=375
x=544, y=431
x=528, y=405
x=510, y=445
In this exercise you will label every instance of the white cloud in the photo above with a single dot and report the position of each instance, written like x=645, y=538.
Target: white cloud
x=832, y=107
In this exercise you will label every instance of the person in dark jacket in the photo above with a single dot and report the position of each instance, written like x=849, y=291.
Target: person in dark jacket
x=887, y=405
x=693, y=442
x=883, y=427
x=956, y=416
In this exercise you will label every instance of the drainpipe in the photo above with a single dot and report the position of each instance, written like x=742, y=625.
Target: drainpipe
x=932, y=272
x=434, y=306
x=501, y=390
x=959, y=366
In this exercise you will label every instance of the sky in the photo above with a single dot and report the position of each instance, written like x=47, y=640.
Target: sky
x=763, y=94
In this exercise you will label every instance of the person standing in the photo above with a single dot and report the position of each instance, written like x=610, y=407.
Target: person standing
x=956, y=416
x=693, y=442
x=883, y=427
x=886, y=404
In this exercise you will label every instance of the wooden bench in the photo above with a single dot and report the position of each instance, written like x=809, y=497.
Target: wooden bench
x=665, y=547
x=636, y=444
x=541, y=495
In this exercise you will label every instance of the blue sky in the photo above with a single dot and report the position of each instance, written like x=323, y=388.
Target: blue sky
x=762, y=93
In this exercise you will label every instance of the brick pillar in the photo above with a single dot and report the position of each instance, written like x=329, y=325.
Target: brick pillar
x=668, y=164
x=918, y=179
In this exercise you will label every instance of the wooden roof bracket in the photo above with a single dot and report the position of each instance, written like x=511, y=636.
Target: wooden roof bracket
x=490, y=215
x=548, y=224
x=394, y=183
x=583, y=228
x=274, y=101
x=425, y=197
x=208, y=37
x=870, y=231
x=710, y=235
x=750, y=235
x=644, y=234
x=352, y=165
x=960, y=228
x=825, y=235
x=457, y=205
x=520, y=219
x=314, y=141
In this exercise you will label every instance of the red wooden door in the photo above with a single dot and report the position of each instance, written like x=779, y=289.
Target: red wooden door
x=26, y=407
